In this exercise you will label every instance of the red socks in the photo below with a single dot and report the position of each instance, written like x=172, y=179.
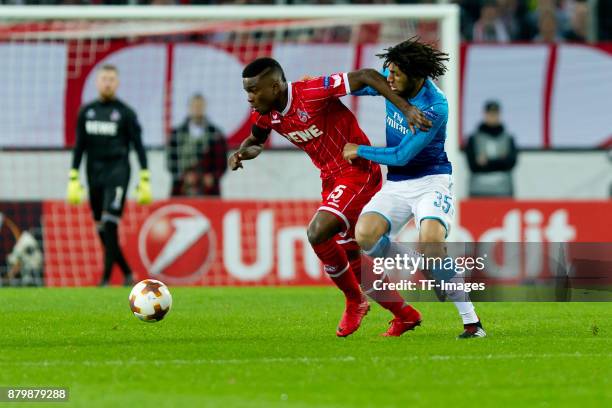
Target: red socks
x=348, y=276
x=389, y=299
x=337, y=267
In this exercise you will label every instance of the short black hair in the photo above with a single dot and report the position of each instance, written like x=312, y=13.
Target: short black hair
x=492, y=105
x=260, y=65
x=109, y=67
x=415, y=58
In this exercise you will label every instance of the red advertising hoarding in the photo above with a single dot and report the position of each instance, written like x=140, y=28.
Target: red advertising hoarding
x=216, y=242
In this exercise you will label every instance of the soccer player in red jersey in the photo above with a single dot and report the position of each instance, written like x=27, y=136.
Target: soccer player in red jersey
x=310, y=115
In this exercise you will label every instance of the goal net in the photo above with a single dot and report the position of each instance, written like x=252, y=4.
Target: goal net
x=165, y=55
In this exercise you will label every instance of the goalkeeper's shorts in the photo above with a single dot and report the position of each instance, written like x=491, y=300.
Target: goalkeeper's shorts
x=108, y=190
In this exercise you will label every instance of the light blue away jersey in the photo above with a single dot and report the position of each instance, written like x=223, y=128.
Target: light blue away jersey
x=408, y=155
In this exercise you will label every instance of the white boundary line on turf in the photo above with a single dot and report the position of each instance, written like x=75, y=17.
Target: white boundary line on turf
x=303, y=360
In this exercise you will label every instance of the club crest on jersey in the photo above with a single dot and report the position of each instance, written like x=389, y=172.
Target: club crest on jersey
x=275, y=118
x=115, y=115
x=303, y=115
x=90, y=113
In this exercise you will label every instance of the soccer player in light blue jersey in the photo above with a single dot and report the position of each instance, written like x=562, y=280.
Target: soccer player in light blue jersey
x=419, y=177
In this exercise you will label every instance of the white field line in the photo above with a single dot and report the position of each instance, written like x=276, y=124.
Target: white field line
x=296, y=360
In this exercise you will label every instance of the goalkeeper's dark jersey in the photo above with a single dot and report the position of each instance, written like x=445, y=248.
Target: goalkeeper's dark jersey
x=105, y=132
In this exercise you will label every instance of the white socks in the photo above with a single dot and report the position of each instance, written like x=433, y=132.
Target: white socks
x=462, y=302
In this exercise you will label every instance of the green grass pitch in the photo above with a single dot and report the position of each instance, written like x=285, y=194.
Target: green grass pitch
x=276, y=347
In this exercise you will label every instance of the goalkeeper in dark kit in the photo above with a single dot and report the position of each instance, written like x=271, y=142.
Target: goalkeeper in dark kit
x=106, y=129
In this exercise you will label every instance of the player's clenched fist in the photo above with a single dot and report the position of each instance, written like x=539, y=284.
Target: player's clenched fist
x=350, y=152
x=245, y=153
x=235, y=161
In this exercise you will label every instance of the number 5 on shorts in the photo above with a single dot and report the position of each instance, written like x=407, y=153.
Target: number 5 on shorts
x=443, y=201
x=336, y=193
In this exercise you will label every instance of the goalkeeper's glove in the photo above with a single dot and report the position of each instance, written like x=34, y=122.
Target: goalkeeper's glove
x=143, y=190
x=75, y=191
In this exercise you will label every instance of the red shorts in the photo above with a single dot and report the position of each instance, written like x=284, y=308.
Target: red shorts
x=345, y=196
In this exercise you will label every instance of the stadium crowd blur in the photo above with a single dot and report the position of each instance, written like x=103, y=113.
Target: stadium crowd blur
x=497, y=21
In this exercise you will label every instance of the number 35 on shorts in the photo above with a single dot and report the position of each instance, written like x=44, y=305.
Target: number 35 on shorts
x=445, y=202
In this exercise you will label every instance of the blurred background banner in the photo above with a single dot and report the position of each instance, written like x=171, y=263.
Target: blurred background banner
x=52, y=66
x=220, y=242
x=553, y=96
x=550, y=93
x=535, y=221
x=189, y=242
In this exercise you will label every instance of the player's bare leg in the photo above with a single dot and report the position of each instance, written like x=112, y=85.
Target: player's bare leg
x=321, y=234
x=432, y=235
x=371, y=234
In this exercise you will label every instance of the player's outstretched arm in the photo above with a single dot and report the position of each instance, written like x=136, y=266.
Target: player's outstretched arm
x=398, y=155
x=409, y=147
x=372, y=78
x=250, y=148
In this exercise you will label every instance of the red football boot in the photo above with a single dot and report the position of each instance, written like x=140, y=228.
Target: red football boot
x=408, y=319
x=352, y=317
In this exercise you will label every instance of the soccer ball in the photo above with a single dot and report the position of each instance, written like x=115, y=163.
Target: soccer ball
x=150, y=300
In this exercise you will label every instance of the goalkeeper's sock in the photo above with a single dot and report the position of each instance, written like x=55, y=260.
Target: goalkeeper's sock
x=389, y=299
x=100, y=228
x=113, y=251
x=108, y=267
x=337, y=266
x=119, y=257
x=121, y=261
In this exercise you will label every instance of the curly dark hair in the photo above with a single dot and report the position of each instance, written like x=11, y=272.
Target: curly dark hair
x=415, y=58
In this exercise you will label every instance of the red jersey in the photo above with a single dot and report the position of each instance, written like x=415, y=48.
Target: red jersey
x=318, y=123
